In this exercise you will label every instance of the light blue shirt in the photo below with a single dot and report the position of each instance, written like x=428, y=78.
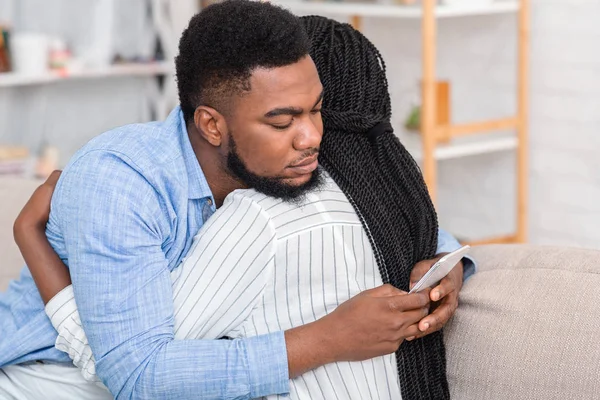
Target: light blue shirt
x=123, y=215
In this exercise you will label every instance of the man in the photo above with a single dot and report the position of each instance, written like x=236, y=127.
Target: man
x=125, y=210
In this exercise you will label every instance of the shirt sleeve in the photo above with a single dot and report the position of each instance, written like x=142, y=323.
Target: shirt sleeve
x=63, y=314
x=114, y=226
x=447, y=244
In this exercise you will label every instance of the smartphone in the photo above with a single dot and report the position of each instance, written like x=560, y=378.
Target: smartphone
x=440, y=269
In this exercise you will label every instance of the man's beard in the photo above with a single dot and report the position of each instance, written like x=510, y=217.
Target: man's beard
x=273, y=187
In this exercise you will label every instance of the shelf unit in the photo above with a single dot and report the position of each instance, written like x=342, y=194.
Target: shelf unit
x=379, y=10
x=154, y=96
x=11, y=79
x=160, y=95
x=463, y=147
x=447, y=141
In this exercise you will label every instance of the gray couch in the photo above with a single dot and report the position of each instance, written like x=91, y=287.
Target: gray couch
x=528, y=325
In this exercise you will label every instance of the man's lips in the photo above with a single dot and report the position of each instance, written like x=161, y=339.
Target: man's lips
x=306, y=161
x=306, y=166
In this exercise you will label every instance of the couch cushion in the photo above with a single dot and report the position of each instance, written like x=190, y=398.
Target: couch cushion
x=14, y=193
x=528, y=326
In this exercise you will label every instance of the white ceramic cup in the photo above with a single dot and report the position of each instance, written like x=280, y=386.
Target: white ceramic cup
x=29, y=53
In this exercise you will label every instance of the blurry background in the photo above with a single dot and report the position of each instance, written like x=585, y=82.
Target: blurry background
x=112, y=65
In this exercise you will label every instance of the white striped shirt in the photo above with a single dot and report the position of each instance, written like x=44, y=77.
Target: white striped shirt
x=262, y=265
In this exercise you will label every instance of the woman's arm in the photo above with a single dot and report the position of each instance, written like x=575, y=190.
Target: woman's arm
x=50, y=274
x=52, y=277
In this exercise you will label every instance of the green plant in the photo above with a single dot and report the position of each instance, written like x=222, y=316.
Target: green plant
x=413, y=122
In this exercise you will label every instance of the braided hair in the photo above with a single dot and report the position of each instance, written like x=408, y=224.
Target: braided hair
x=380, y=178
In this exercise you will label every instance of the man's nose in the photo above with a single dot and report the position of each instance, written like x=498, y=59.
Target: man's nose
x=309, y=136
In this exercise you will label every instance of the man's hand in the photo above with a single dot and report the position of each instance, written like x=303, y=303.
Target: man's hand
x=36, y=212
x=444, y=296
x=371, y=324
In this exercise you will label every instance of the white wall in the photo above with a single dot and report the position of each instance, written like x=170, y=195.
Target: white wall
x=565, y=123
x=478, y=55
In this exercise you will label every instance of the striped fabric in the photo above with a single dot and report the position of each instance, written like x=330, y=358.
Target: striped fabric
x=274, y=266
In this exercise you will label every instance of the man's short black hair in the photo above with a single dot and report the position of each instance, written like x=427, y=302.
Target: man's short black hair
x=225, y=42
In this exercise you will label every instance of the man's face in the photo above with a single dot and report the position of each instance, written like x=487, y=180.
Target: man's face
x=275, y=130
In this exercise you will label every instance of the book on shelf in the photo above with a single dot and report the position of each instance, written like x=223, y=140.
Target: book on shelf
x=4, y=49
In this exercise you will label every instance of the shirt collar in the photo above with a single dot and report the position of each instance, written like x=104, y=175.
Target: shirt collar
x=197, y=185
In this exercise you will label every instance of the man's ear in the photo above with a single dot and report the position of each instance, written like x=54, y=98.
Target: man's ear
x=211, y=124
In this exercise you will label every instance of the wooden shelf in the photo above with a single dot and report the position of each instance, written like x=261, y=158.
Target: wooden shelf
x=119, y=70
x=479, y=127
x=462, y=147
x=331, y=8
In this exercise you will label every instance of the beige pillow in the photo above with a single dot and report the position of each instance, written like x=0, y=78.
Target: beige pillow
x=528, y=326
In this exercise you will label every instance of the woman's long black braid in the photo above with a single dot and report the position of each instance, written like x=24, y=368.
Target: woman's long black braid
x=381, y=180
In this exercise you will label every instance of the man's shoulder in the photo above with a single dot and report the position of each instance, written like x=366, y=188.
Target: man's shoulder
x=134, y=163
x=145, y=145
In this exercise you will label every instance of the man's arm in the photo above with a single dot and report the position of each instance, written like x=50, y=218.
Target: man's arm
x=232, y=254
x=114, y=229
